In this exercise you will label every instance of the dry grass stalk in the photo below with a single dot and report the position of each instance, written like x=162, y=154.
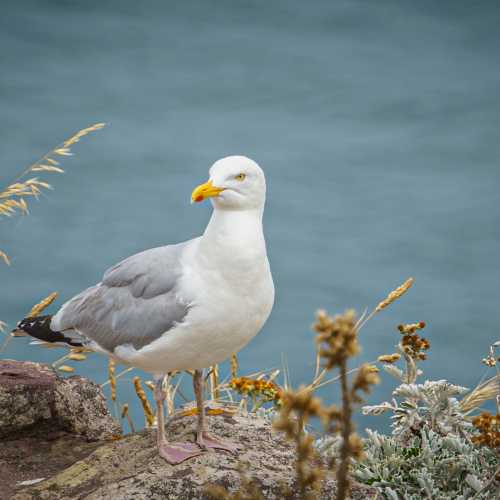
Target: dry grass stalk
x=43, y=304
x=296, y=410
x=20, y=333
x=13, y=197
x=125, y=414
x=5, y=258
x=170, y=392
x=395, y=294
x=214, y=383
x=123, y=372
x=389, y=358
x=148, y=412
x=77, y=357
x=392, y=297
x=150, y=385
x=337, y=339
x=35, y=311
x=44, y=345
x=60, y=360
x=5, y=343
x=66, y=368
x=112, y=377
x=170, y=395
x=490, y=389
x=234, y=366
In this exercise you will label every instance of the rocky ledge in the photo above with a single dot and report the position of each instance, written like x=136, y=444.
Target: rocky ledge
x=45, y=456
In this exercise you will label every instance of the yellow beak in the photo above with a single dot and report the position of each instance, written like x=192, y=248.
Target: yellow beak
x=207, y=190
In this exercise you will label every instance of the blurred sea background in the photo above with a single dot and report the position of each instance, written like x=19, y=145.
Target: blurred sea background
x=377, y=124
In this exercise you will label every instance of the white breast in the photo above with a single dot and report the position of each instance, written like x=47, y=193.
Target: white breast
x=228, y=283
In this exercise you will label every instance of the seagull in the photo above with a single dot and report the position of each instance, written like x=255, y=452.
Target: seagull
x=186, y=306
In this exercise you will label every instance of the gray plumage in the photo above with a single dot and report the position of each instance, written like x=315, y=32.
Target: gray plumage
x=135, y=303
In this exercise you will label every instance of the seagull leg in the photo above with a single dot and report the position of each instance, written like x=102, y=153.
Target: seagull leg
x=204, y=439
x=173, y=453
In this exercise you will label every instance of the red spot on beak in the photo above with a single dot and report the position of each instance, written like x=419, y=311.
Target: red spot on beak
x=198, y=198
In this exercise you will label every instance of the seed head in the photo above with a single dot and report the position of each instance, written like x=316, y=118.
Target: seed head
x=395, y=294
x=389, y=358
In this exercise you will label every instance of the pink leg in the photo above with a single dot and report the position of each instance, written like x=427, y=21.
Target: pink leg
x=173, y=453
x=204, y=439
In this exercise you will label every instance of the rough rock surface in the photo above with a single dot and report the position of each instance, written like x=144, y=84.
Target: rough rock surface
x=131, y=468
x=44, y=461
x=32, y=393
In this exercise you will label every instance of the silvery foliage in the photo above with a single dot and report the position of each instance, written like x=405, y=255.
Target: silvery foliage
x=329, y=445
x=429, y=454
x=428, y=465
x=431, y=404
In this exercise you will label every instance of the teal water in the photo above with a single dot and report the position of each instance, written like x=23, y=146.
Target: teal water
x=377, y=124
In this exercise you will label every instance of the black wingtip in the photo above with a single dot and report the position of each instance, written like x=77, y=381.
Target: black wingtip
x=39, y=328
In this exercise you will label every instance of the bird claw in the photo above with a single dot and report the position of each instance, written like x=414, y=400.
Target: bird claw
x=175, y=453
x=206, y=441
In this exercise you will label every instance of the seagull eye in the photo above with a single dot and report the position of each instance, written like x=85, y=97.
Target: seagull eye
x=240, y=177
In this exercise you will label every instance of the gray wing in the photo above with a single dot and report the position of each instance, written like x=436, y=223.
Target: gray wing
x=136, y=302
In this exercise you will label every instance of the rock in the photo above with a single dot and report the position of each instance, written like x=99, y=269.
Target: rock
x=131, y=468
x=46, y=422
x=38, y=453
x=32, y=394
x=41, y=459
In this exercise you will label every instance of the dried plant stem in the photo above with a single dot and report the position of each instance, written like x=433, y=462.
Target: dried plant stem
x=112, y=383
x=112, y=378
x=123, y=372
x=169, y=399
x=317, y=384
x=169, y=392
x=63, y=149
x=301, y=457
x=13, y=197
x=234, y=366
x=126, y=414
x=392, y=297
x=5, y=343
x=343, y=482
x=214, y=382
x=35, y=311
x=61, y=360
x=43, y=304
x=148, y=412
x=485, y=391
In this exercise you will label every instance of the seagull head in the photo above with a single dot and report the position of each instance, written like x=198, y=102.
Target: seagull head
x=235, y=183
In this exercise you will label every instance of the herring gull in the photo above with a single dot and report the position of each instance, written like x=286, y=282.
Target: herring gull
x=181, y=307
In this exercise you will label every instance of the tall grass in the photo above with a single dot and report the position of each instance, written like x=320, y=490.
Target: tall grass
x=15, y=196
